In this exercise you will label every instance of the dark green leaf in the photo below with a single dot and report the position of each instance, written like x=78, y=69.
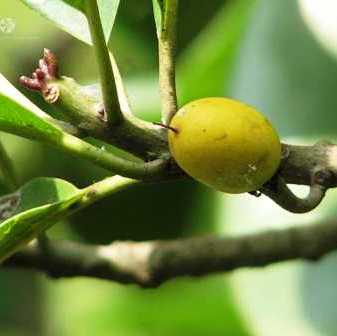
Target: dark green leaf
x=69, y=16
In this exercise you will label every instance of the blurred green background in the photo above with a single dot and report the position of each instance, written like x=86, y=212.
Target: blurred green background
x=261, y=52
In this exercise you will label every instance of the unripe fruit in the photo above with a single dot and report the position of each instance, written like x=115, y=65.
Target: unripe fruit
x=224, y=144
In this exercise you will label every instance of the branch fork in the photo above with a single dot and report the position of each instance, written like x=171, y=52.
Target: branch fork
x=315, y=166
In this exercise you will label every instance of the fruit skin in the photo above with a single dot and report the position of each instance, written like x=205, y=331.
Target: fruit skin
x=225, y=144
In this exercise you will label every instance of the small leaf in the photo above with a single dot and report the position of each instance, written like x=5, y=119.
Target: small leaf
x=69, y=16
x=20, y=116
x=42, y=191
x=32, y=209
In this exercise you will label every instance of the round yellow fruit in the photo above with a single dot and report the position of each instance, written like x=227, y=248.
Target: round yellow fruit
x=225, y=144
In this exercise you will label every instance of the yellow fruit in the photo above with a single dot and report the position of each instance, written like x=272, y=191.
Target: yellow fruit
x=225, y=144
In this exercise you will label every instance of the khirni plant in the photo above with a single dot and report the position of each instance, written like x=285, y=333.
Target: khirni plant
x=218, y=141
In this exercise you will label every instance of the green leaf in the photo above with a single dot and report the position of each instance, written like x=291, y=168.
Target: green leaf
x=42, y=191
x=20, y=116
x=205, y=68
x=69, y=16
x=43, y=201
x=32, y=209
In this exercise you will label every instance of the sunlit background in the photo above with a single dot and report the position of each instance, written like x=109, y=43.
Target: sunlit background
x=285, y=66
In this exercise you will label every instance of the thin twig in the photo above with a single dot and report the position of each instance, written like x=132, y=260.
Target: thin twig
x=166, y=46
x=279, y=192
x=152, y=170
x=109, y=90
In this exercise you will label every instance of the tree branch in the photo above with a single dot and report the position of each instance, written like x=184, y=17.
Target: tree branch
x=150, y=264
x=315, y=166
x=166, y=49
x=300, y=164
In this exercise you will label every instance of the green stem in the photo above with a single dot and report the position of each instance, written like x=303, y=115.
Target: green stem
x=8, y=170
x=104, y=188
x=138, y=170
x=167, y=44
x=109, y=90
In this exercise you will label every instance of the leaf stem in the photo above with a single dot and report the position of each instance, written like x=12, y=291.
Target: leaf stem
x=109, y=90
x=105, y=188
